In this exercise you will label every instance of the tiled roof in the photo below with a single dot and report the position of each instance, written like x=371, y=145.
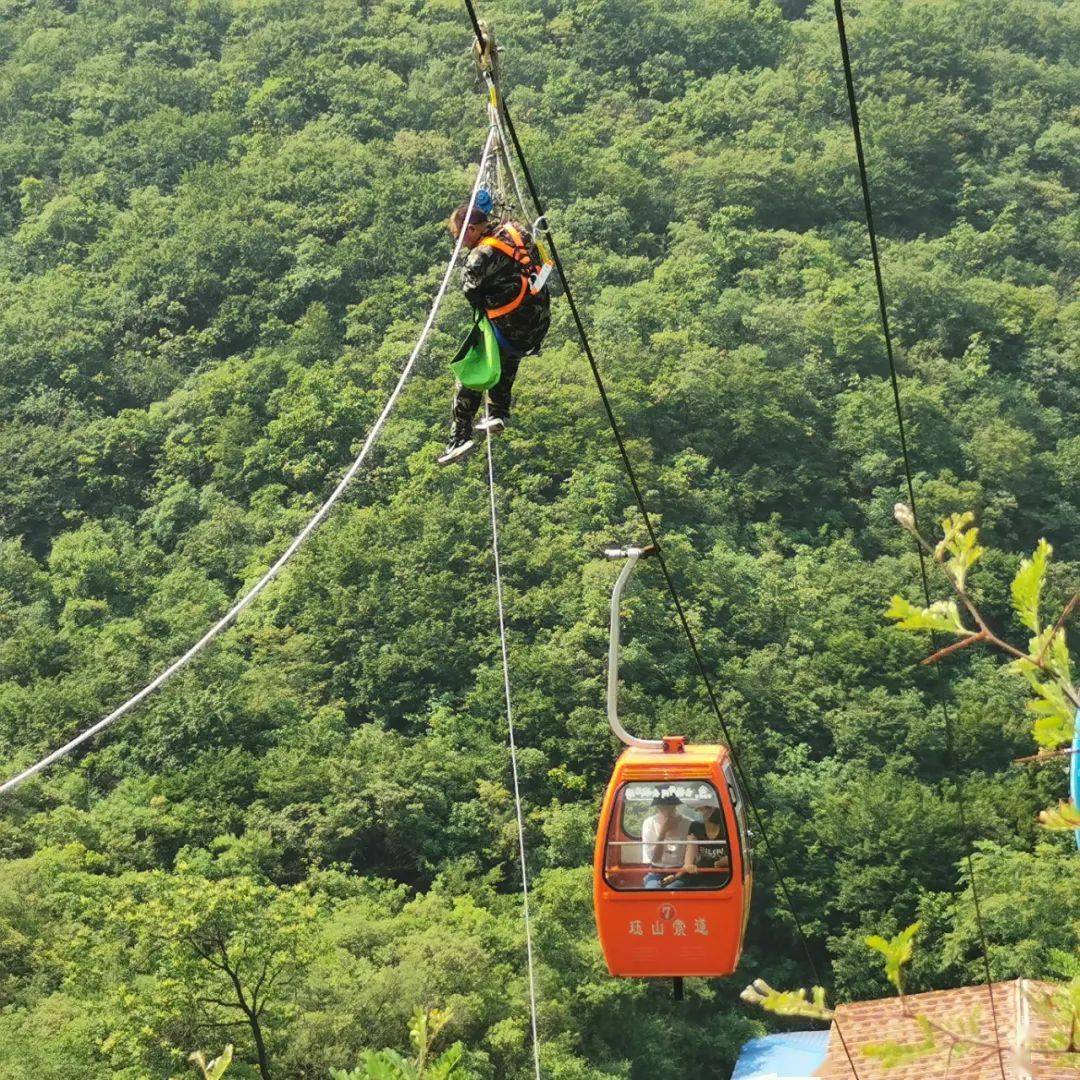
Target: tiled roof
x=891, y=1020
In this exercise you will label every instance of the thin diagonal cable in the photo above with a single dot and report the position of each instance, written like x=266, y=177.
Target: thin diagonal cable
x=965, y=836
x=513, y=749
x=654, y=539
x=233, y=613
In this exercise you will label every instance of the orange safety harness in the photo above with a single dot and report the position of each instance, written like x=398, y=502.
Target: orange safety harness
x=531, y=281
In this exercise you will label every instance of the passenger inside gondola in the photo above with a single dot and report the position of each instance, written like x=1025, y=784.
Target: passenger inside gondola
x=664, y=834
x=707, y=851
x=668, y=836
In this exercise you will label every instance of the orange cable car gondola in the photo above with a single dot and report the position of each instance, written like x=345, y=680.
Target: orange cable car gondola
x=672, y=870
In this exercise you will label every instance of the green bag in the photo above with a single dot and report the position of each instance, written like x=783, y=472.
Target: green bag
x=477, y=364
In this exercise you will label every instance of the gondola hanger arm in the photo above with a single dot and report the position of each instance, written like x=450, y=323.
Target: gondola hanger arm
x=631, y=555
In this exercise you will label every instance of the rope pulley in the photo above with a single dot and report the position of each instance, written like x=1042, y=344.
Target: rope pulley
x=486, y=57
x=494, y=197
x=485, y=53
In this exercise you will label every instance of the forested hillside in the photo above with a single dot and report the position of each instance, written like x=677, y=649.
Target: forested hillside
x=221, y=226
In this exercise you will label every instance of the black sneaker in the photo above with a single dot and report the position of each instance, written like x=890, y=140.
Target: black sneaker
x=458, y=446
x=492, y=425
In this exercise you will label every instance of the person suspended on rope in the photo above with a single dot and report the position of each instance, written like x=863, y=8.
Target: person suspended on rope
x=500, y=282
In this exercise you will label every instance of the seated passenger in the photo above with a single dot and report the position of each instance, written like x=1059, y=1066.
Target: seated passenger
x=707, y=851
x=663, y=836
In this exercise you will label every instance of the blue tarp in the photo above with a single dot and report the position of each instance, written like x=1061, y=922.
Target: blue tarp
x=794, y=1054
x=1074, y=771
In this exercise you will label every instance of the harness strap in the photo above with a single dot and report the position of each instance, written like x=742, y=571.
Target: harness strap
x=503, y=246
x=517, y=251
x=494, y=313
x=520, y=254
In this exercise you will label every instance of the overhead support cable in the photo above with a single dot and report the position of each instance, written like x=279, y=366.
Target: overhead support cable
x=505, y=652
x=316, y=520
x=654, y=539
x=883, y=309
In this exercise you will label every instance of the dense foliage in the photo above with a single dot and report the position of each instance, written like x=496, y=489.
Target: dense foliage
x=221, y=223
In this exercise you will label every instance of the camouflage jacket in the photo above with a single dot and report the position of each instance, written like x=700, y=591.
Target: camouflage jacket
x=492, y=280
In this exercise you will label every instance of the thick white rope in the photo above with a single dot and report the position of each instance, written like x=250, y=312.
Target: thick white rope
x=513, y=754
x=230, y=616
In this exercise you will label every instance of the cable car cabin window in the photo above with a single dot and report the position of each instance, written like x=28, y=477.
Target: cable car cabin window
x=739, y=803
x=669, y=835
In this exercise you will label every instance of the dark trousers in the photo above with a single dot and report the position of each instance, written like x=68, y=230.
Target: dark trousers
x=467, y=402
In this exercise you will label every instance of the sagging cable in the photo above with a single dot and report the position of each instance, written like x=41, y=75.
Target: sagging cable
x=316, y=520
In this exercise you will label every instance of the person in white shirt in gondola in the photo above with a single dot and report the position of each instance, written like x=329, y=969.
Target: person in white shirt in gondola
x=663, y=835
